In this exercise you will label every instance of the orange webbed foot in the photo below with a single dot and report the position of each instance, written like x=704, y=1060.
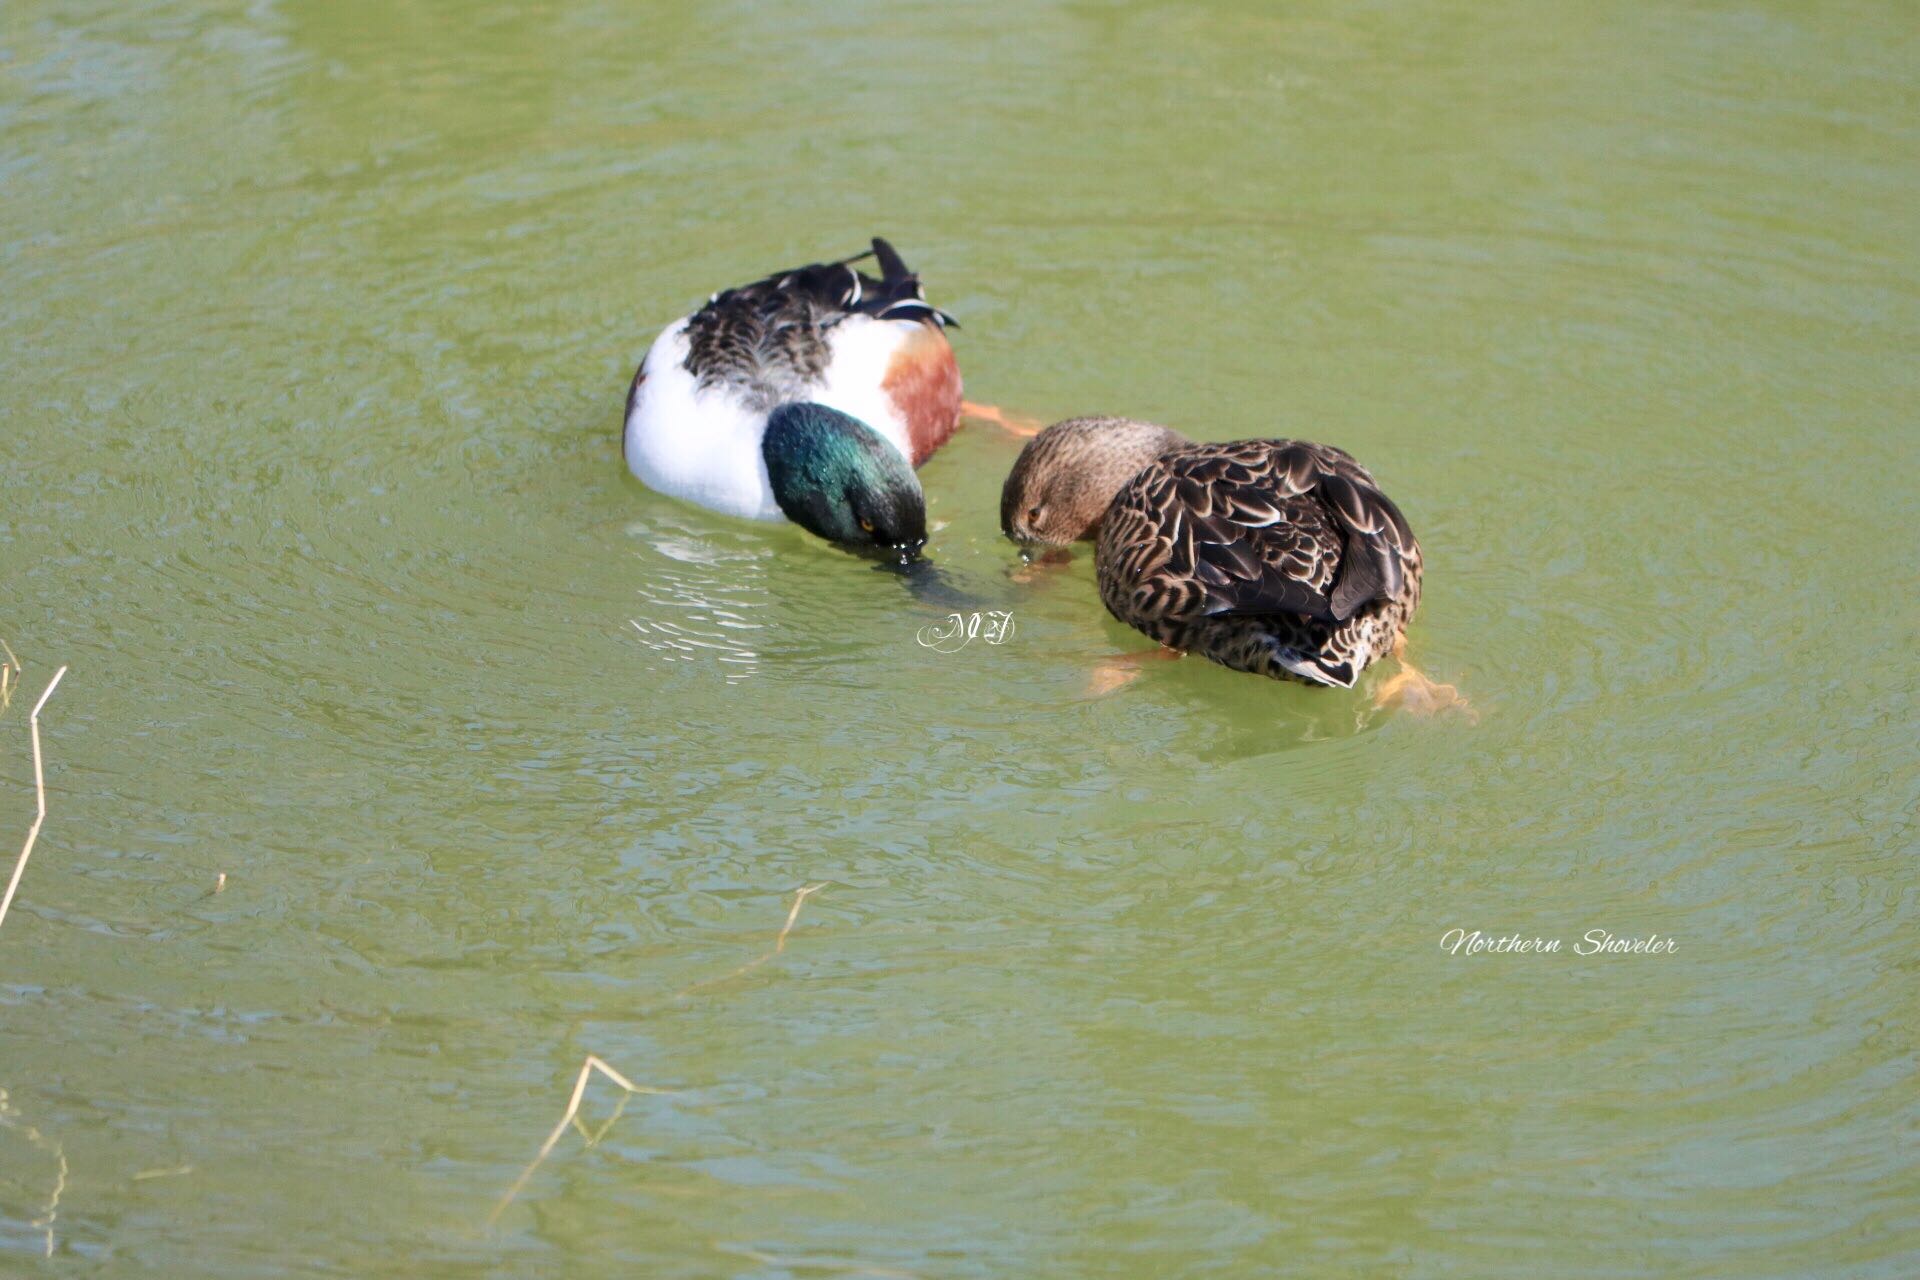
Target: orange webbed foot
x=1412, y=690
x=1013, y=424
x=1122, y=669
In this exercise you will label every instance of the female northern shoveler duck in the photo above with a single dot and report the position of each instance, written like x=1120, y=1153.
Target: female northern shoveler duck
x=811, y=394
x=1278, y=557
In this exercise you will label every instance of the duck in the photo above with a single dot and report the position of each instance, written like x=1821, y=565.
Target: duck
x=808, y=396
x=1278, y=557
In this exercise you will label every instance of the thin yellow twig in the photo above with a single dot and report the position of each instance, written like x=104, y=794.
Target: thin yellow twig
x=171, y=1171
x=53, y=1201
x=587, y=1068
x=593, y=1139
x=40, y=795
x=797, y=1264
x=10, y=1117
x=9, y=676
x=571, y=1119
x=779, y=944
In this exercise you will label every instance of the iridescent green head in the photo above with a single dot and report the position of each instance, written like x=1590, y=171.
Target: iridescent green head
x=835, y=476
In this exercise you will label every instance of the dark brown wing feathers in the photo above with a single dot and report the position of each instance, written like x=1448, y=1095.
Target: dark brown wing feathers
x=1257, y=527
x=770, y=337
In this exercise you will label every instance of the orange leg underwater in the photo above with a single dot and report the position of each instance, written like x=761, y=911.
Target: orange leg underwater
x=1410, y=688
x=1122, y=669
x=1013, y=424
x=1040, y=568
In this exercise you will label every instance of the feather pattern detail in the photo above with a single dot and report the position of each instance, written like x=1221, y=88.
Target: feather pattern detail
x=771, y=340
x=1274, y=556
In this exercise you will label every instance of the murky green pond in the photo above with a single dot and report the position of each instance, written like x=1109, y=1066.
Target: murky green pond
x=317, y=322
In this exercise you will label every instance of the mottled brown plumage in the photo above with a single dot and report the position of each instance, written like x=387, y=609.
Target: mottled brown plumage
x=1278, y=557
x=771, y=341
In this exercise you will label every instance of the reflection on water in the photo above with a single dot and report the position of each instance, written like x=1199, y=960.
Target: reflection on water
x=700, y=598
x=318, y=323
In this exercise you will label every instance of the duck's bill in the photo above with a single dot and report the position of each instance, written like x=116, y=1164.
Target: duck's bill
x=894, y=555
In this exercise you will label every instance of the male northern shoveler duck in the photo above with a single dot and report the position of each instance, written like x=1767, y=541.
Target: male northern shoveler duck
x=809, y=395
x=1278, y=557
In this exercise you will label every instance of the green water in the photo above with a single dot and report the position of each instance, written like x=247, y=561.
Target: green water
x=317, y=321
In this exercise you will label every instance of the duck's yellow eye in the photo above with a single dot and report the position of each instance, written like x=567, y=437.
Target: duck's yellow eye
x=866, y=525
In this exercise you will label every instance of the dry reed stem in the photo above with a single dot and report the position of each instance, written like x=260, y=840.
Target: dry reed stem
x=797, y=1264
x=779, y=944
x=40, y=794
x=594, y=1063
x=593, y=1139
x=587, y=1068
x=9, y=675
x=171, y=1171
x=10, y=1117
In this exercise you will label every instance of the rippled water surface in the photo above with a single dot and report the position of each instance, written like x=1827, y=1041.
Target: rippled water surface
x=317, y=321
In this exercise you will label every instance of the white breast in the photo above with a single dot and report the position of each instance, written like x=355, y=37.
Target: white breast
x=863, y=350
x=702, y=445
x=696, y=443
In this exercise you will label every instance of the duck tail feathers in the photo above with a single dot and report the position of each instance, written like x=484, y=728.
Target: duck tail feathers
x=897, y=294
x=840, y=286
x=1316, y=669
x=892, y=265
